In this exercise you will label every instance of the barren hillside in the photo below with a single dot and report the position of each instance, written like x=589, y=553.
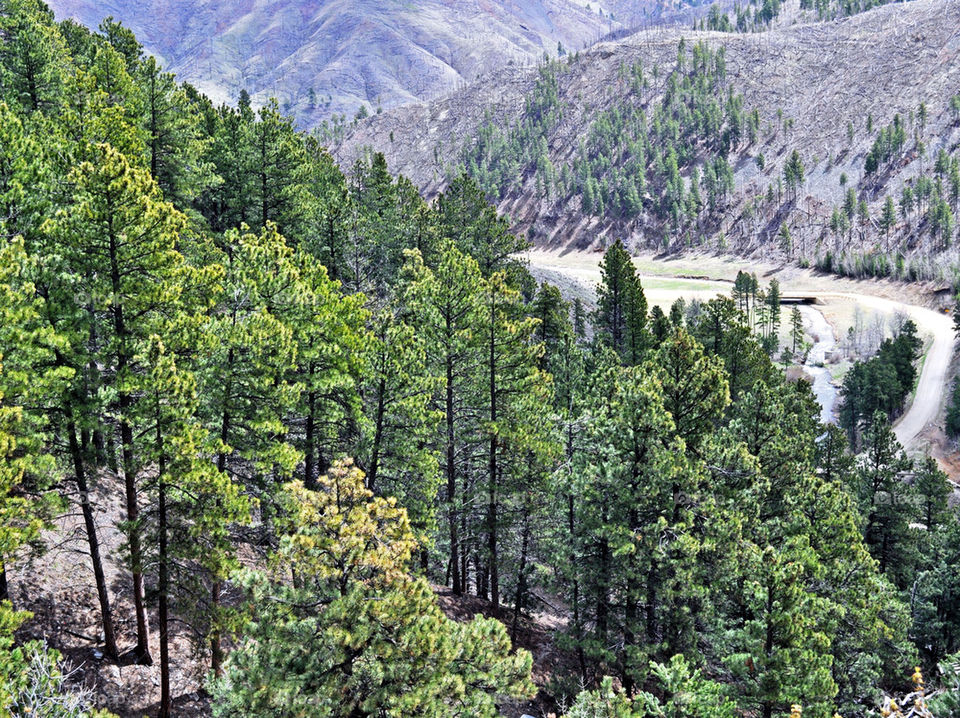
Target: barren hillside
x=824, y=89
x=320, y=58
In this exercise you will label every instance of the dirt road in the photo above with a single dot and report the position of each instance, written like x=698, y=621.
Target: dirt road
x=582, y=271
x=932, y=385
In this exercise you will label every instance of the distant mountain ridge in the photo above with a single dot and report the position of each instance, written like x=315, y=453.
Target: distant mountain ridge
x=322, y=57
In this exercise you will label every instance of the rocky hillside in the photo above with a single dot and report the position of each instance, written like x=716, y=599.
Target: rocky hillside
x=838, y=93
x=322, y=57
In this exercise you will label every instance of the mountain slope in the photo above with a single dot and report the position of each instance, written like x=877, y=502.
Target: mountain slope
x=826, y=90
x=321, y=57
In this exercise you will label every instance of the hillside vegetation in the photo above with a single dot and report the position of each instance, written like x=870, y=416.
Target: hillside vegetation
x=786, y=144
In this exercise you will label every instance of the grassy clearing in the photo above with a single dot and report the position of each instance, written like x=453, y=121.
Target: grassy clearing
x=680, y=285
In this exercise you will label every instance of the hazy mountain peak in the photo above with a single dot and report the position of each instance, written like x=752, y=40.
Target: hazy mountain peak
x=325, y=57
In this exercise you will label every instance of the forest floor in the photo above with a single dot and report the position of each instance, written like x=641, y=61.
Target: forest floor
x=536, y=632
x=58, y=589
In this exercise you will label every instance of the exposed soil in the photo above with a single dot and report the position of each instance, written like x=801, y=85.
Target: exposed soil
x=59, y=589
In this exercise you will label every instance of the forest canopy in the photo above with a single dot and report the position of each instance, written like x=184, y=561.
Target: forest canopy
x=321, y=399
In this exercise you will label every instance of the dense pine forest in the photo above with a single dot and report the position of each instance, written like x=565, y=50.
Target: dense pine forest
x=325, y=404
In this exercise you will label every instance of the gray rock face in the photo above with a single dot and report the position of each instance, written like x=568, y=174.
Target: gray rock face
x=321, y=57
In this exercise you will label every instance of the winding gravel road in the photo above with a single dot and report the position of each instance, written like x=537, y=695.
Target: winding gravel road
x=932, y=385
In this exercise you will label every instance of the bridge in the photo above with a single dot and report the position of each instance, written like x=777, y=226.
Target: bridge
x=799, y=299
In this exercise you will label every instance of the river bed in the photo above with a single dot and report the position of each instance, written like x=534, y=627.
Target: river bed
x=817, y=327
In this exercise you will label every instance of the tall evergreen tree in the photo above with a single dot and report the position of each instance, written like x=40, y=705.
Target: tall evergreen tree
x=467, y=219
x=175, y=141
x=243, y=373
x=34, y=63
x=446, y=304
x=121, y=237
x=396, y=448
x=621, y=315
x=356, y=634
x=883, y=500
x=29, y=378
x=515, y=391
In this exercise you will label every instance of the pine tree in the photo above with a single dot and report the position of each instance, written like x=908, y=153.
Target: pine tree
x=374, y=254
x=882, y=493
x=793, y=173
x=104, y=105
x=446, y=306
x=888, y=219
x=356, y=633
x=121, y=238
x=29, y=377
x=796, y=329
x=515, y=392
x=659, y=325
x=175, y=141
x=400, y=421
x=552, y=312
x=953, y=412
x=230, y=203
x=773, y=315
x=330, y=341
x=935, y=610
x=933, y=489
x=467, y=219
x=277, y=167
x=33, y=57
x=579, y=319
x=326, y=210
x=195, y=503
x=786, y=241
x=695, y=390
x=686, y=692
x=621, y=315
x=249, y=351
x=781, y=652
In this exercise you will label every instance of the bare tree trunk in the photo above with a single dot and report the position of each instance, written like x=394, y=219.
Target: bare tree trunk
x=125, y=403
x=492, y=478
x=577, y=623
x=377, y=436
x=216, y=650
x=603, y=590
x=309, y=477
x=142, y=649
x=452, y=482
x=522, y=574
x=79, y=475
x=163, y=580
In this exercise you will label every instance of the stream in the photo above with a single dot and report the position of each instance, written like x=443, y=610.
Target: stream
x=817, y=327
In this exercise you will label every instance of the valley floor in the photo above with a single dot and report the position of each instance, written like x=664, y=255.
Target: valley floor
x=842, y=301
